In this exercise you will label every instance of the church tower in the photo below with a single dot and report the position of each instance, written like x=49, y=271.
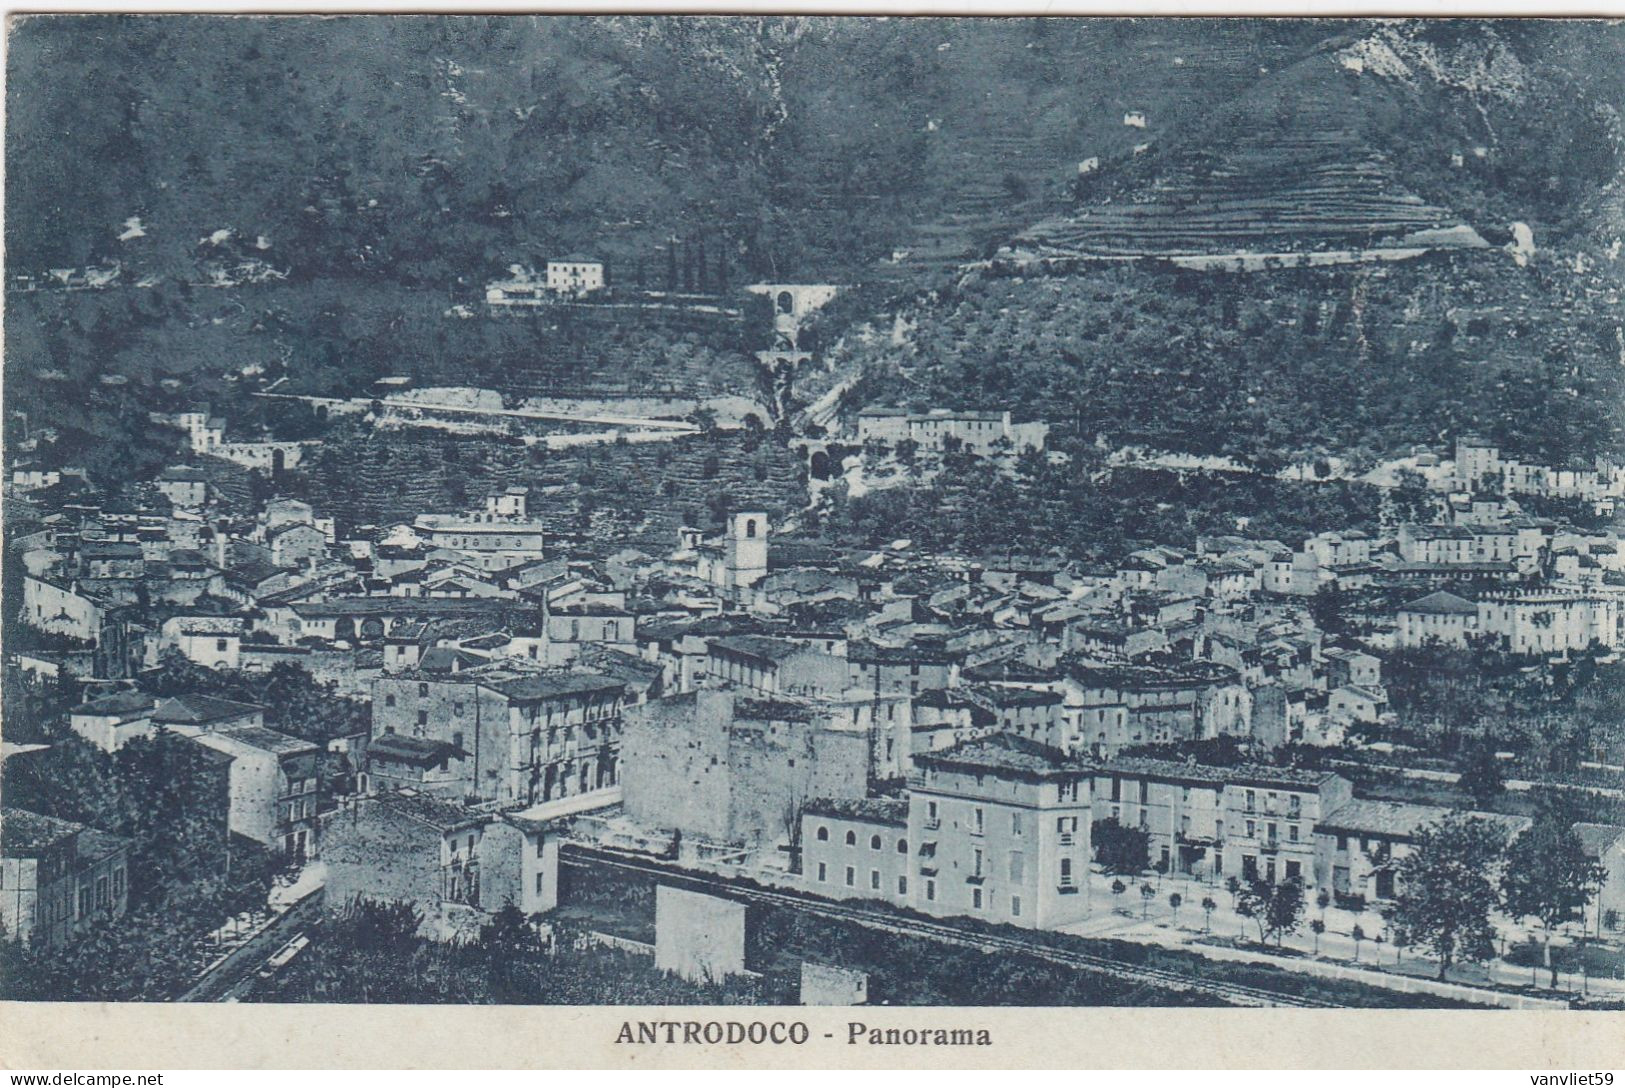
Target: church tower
x=747, y=548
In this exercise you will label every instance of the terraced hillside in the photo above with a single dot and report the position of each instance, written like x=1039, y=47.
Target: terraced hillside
x=1315, y=190
x=1291, y=170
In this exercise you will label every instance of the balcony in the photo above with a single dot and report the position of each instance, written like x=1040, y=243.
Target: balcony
x=932, y=823
x=1067, y=838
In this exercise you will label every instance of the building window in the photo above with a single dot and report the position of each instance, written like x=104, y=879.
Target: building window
x=1292, y=832
x=902, y=846
x=851, y=877
x=823, y=834
x=874, y=879
x=1015, y=824
x=930, y=891
x=1294, y=871
x=874, y=842
x=976, y=821
x=976, y=862
x=851, y=838
x=540, y=879
x=1252, y=829
x=823, y=873
x=1066, y=872
x=976, y=898
x=423, y=717
x=1018, y=866
x=423, y=691
x=389, y=700
x=902, y=885
x=1015, y=906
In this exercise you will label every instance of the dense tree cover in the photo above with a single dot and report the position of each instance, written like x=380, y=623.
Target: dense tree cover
x=1090, y=513
x=151, y=954
x=1548, y=876
x=163, y=792
x=428, y=149
x=1552, y=716
x=371, y=952
x=295, y=702
x=1279, y=367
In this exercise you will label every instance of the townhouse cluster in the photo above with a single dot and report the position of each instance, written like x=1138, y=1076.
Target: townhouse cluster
x=938, y=731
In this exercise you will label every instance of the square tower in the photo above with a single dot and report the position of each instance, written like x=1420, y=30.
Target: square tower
x=747, y=548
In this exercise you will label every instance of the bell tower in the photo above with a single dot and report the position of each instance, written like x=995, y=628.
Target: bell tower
x=747, y=548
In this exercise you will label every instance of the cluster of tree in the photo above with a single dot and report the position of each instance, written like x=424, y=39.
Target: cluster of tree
x=972, y=506
x=1120, y=849
x=367, y=951
x=1457, y=873
x=295, y=702
x=1462, y=702
x=1270, y=370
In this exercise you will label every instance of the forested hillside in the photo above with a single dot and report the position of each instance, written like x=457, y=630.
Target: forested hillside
x=358, y=180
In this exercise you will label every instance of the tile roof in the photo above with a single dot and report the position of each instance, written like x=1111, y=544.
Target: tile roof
x=24, y=833
x=198, y=709
x=1004, y=752
x=1399, y=819
x=1441, y=604
x=1596, y=839
x=868, y=810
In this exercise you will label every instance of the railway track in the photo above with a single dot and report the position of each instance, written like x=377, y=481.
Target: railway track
x=577, y=856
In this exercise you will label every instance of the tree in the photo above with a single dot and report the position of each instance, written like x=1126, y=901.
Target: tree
x=1276, y=908
x=1118, y=888
x=1482, y=776
x=1121, y=849
x=1549, y=878
x=1447, y=887
x=1323, y=899
x=1358, y=935
x=1147, y=893
x=1208, y=907
x=1317, y=927
x=1175, y=901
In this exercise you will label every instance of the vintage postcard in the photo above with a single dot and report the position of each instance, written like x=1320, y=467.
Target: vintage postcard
x=984, y=541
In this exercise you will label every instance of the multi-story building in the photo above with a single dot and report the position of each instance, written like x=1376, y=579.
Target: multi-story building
x=1520, y=622
x=1209, y=822
x=1111, y=707
x=1440, y=617
x=1270, y=815
x=275, y=787
x=58, y=877
x=770, y=666
x=890, y=670
x=999, y=826
x=575, y=275
x=1549, y=622
x=856, y=849
x=978, y=432
x=406, y=847
x=526, y=735
x=501, y=536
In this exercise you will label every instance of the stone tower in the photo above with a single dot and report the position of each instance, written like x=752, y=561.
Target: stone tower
x=747, y=548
